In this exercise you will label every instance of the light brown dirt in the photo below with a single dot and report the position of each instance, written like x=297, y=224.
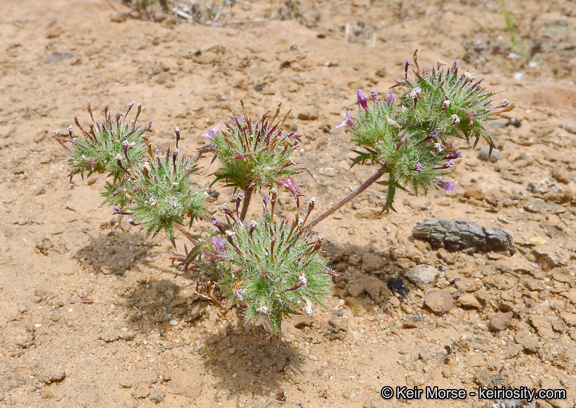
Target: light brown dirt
x=98, y=317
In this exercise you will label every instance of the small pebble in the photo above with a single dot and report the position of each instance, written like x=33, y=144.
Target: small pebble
x=485, y=151
x=174, y=322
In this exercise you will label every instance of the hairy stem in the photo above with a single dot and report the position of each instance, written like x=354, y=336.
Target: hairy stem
x=246, y=202
x=349, y=197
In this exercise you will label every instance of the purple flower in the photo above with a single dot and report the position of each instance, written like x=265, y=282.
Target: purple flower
x=408, y=63
x=219, y=244
x=374, y=95
x=212, y=132
x=505, y=103
x=446, y=185
x=263, y=310
x=418, y=167
x=239, y=293
x=416, y=92
x=173, y=205
x=362, y=99
x=117, y=210
x=390, y=99
x=453, y=155
x=289, y=183
x=438, y=147
x=347, y=121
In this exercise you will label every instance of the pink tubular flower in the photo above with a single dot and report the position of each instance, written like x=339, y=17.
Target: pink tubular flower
x=362, y=99
x=446, y=185
x=374, y=95
x=219, y=243
x=212, y=132
x=347, y=121
x=390, y=99
x=289, y=183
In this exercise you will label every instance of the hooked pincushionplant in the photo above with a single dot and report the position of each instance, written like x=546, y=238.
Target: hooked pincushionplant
x=411, y=141
x=146, y=187
x=271, y=268
x=104, y=142
x=253, y=155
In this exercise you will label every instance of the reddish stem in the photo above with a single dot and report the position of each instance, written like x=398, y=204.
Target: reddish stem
x=246, y=203
x=349, y=197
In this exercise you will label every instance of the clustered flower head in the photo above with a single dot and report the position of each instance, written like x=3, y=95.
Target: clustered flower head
x=151, y=186
x=272, y=267
x=105, y=144
x=411, y=140
x=252, y=154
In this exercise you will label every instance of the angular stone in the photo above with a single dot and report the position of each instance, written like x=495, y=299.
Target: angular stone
x=469, y=301
x=569, y=318
x=422, y=275
x=534, y=284
x=527, y=341
x=543, y=326
x=303, y=320
x=439, y=301
x=570, y=295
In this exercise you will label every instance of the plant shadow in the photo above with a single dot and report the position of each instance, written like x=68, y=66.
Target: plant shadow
x=245, y=360
x=114, y=252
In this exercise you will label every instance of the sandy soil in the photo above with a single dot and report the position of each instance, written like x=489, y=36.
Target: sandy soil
x=97, y=317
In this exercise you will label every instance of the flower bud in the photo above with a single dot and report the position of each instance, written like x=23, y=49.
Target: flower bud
x=374, y=95
x=362, y=99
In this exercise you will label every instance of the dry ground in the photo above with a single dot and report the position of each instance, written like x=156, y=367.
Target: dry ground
x=98, y=317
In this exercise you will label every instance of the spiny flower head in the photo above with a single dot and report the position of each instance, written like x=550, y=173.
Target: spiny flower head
x=252, y=154
x=157, y=189
x=103, y=143
x=411, y=140
x=273, y=268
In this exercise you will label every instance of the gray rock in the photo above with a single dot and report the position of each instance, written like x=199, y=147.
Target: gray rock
x=568, y=126
x=463, y=235
x=157, y=396
x=422, y=275
x=485, y=152
x=57, y=56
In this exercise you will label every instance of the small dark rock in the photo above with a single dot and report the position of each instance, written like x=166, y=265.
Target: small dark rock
x=396, y=286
